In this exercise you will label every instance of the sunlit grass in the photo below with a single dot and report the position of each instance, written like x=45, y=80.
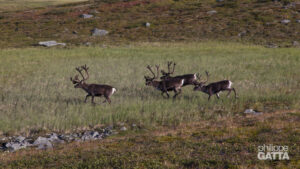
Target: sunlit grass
x=36, y=91
x=14, y=5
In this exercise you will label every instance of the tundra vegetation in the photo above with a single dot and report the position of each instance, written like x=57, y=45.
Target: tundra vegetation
x=37, y=96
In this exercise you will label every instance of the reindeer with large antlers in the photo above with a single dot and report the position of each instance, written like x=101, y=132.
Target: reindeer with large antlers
x=214, y=88
x=165, y=85
x=94, y=90
x=189, y=79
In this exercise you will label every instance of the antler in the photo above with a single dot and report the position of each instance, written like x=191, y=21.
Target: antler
x=75, y=80
x=169, y=64
x=174, y=64
x=157, y=70
x=149, y=67
x=79, y=69
x=199, y=78
x=169, y=69
x=86, y=71
x=207, y=76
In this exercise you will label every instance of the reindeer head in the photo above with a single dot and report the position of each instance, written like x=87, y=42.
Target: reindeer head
x=149, y=80
x=200, y=85
x=79, y=83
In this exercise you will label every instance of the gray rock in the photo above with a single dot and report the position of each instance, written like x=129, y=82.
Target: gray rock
x=123, y=128
x=251, y=111
x=296, y=43
x=42, y=143
x=14, y=146
x=20, y=138
x=133, y=125
x=86, y=16
x=285, y=21
x=88, y=135
x=147, y=24
x=55, y=139
x=99, y=32
x=87, y=43
x=271, y=45
x=212, y=12
x=298, y=21
x=243, y=33
x=51, y=43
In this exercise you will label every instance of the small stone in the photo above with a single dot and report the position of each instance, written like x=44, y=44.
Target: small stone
x=248, y=111
x=42, y=143
x=13, y=146
x=123, y=128
x=296, y=43
x=298, y=21
x=133, y=125
x=212, y=12
x=99, y=32
x=51, y=43
x=147, y=24
x=96, y=135
x=86, y=16
x=251, y=111
x=271, y=45
x=285, y=21
x=20, y=138
x=88, y=44
x=241, y=34
x=54, y=139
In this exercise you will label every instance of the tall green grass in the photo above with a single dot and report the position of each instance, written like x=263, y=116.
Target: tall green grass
x=36, y=92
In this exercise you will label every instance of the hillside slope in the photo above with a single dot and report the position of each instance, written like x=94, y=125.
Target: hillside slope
x=254, y=21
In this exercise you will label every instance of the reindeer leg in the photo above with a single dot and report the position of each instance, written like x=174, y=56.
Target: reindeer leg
x=167, y=94
x=229, y=91
x=93, y=99
x=234, y=92
x=218, y=96
x=107, y=99
x=86, y=97
x=209, y=97
x=176, y=93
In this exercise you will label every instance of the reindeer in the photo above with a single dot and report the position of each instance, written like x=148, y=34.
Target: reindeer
x=215, y=88
x=92, y=89
x=189, y=79
x=164, y=86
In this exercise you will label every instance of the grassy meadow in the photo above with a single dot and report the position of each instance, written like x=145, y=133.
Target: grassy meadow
x=36, y=92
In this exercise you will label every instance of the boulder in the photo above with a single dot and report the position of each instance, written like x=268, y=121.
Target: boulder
x=251, y=111
x=212, y=12
x=285, y=21
x=99, y=32
x=42, y=143
x=86, y=16
x=123, y=128
x=50, y=43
